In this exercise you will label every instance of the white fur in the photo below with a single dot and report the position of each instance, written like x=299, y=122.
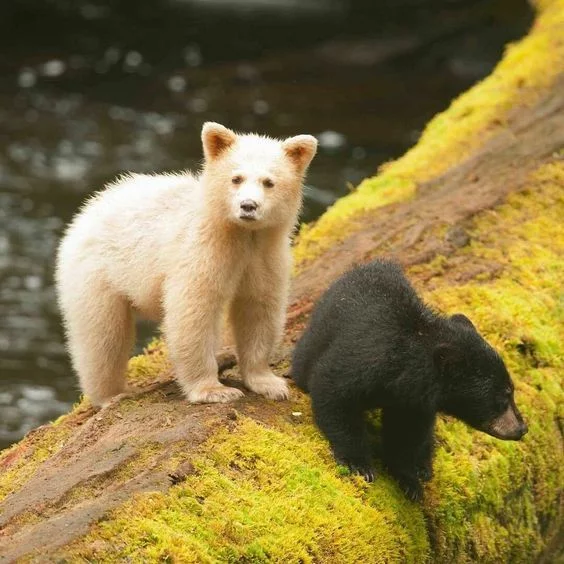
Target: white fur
x=175, y=248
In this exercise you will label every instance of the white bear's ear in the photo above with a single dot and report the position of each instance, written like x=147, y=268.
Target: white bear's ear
x=216, y=138
x=300, y=149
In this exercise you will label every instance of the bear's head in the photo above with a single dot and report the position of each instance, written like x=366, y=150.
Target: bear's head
x=476, y=386
x=255, y=181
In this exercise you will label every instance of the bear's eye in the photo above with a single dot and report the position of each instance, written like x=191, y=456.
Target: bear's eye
x=237, y=179
x=267, y=183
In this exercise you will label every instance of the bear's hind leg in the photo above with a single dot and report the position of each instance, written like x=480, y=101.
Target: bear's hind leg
x=100, y=332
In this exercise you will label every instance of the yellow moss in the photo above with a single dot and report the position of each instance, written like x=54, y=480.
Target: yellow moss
x=522, y=76
x=491, y=500
x=263, y=494
x=274, y=493
x=152, y=364
x=19, y=462
x=40, y=445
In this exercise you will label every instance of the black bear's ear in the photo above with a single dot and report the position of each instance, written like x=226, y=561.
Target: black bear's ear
x=462, y=319
x=444, y=355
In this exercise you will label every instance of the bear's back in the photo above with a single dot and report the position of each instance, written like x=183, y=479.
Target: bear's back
x=120, y=233
x=377, y=293
x=370, y=312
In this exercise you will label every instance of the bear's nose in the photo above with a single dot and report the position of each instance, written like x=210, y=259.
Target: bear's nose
x=249, y=206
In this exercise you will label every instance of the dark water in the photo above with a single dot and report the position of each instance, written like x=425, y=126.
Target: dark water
x=89, y=89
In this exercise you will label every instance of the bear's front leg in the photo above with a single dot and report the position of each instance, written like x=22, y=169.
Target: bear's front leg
x=408, y=447
x=192, y=326
x=257, y=316
x=344, y=426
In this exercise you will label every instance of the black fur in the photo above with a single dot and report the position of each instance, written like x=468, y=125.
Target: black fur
x=372, y=343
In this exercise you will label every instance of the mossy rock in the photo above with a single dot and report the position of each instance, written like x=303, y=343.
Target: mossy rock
x=477, y=210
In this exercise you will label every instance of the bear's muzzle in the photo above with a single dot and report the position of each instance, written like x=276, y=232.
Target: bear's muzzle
x=509, y=426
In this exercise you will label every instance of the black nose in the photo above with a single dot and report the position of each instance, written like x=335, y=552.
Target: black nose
x=524, y=429
x=249, y=205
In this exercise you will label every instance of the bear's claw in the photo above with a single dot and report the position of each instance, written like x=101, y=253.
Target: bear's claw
x=424, y=473
x=412, y=489
x=363, y=469
x=367, y=472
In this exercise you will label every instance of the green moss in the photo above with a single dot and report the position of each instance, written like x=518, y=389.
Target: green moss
x=263, y=494
x=523, y=75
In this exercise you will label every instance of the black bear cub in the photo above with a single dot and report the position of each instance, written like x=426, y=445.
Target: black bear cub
x=372, y=343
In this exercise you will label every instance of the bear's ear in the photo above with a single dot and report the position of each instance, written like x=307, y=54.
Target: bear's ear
x=463, y=320
x=444, y=355
x=216, y=138
x=300, y=150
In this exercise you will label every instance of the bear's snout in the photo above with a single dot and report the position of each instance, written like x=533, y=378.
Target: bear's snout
x=248, y=210
x=509, y=426
x=524, y=429
x=248, y=206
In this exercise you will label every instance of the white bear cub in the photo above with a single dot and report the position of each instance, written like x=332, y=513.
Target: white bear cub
x=178, y=248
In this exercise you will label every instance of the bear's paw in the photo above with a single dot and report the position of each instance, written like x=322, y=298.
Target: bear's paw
x=217, y=393
x=269, y=386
